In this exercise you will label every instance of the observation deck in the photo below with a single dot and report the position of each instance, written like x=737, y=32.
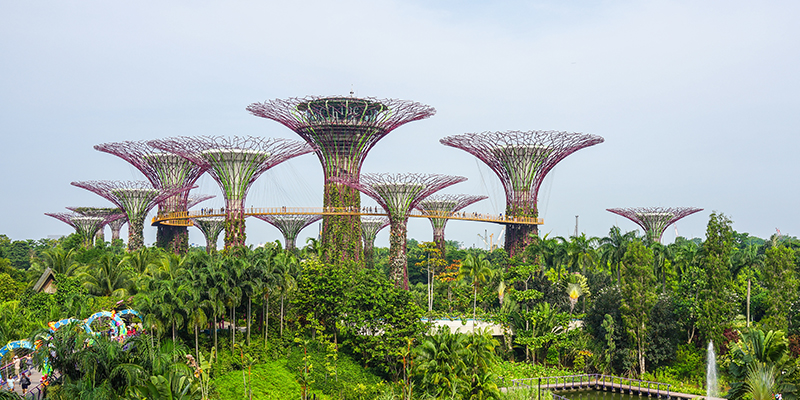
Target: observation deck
x=184, y=218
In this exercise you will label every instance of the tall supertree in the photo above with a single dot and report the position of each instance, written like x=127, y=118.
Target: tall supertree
x=290, y=225
x=116, y=226
x=370, y=226
x=654, y=220
x=342, y=130
x=521, y=160
x=85, y=227
x=398, y=194
x=235, y=163
x=136, y=198
x=109, y=214
x=211, y=228
x=164, y=171
x=439, y=207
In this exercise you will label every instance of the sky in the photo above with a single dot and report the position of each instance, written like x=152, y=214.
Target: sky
x=697, y=101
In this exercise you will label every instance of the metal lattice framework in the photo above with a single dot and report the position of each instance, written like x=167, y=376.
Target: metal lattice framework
x=136, y=198
x=116, y=226
x=290, y=226
x=521, y=159
x=109, y=214
x=234, y=163
x=197, y=199
x=164, y=171
x=85, y=227
x=445, y=203
x=211, y=228
x=398, y=194
x=654, y=220
x=370, y=226
x=342, y=131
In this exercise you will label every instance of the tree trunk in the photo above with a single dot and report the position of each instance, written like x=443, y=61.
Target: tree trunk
x=281, y=315
x=215, y=331
x=249, y=301
x=266, y=320
x=196, y=346
x=232, y=326
x=173, y=332
x=474, y=307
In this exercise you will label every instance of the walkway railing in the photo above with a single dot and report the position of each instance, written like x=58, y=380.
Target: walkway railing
x=595, y=381
x=184, y=218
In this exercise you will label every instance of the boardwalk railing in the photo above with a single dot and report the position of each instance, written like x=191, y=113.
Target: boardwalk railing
x=597, y=382
x=183, y=218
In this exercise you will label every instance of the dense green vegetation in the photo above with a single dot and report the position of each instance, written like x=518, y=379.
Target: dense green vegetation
x=291, y=325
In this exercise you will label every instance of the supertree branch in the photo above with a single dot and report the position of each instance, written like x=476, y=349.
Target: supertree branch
x=342, y=131
x=234, y=163
x=85, y=227
x=211, y=228
x=136, y=198
x=445, y=204
x=290, y=226
x=654, y=220
x=521, y=159
x=370, y=226
x=197, y=199
x=107, y=213
x=398, y=194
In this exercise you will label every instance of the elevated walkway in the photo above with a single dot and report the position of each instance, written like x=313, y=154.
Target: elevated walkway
x=185, y=218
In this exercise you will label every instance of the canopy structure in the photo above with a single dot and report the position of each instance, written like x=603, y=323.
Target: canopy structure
x=342, y=131
x=521, y=159
x=108, y=213
x=234, y=163
x=211, y=228
x=445, y=204
x=398, y=194
x=85, y=227
x=136, y=198
x=370, y=226
x=654, y=220
x=164, y=171
x=290, y=226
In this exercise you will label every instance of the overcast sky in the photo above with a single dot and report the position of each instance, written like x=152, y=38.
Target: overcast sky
x=697, y=101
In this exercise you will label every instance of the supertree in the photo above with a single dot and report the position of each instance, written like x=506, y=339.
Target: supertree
x=442, y=205
x=116, y=226
x=654, y=220
x=290, y=225
x=342, y=130
x=370, y=226
x=109, y=214
x=235, y=163
x=197, y=199
x=211, y=228
x=164, y=171
x=85, y=227
x=521, y=159
x=398, y=194
x=136, y=198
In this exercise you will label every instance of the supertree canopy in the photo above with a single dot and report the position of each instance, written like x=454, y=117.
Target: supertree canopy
x=136, y=198
x=235, y=163
x=85, y=227
x=290, y=225
x=654, y=220
x=107, y=213
x=370, y=226
x=521, y=159
x=398, y=194
x=116, y=225
x=197, y=199
x=342, y=130
x=211, y=228
x=442, y=205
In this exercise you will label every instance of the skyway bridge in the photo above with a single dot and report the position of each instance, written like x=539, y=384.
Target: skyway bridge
x=185, y=218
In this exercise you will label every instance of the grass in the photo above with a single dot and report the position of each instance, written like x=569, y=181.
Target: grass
x=269, y=381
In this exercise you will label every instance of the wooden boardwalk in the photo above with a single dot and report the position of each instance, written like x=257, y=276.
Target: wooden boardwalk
x=602, y=383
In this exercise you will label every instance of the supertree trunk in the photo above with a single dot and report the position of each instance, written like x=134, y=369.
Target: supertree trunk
x=211, y=245
x=398, y=261
x=369, y=255
x=519, y=236
x=341, y=234
x=235, y=233
x=100, y=236
x=173, y=238
x=135, y=234
x=438, y=238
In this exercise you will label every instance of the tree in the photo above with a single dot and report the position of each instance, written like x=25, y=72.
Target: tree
x=638, y=295
x=717, y=308
x=106, y=277
x=779, y=280
x=478, y=270
x=613, y=248
x=753, y=356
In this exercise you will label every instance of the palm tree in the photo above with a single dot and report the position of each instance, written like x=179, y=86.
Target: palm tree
x=106, y=277
x=613, y=248
x=479, y=270
x=755, y=358
x=60, y=261
x=581, y=253
x=748, y=260
x=286, y=266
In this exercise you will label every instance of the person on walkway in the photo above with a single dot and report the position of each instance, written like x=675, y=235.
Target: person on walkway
x=16, y=365
x=24, y=381
x=10, y=383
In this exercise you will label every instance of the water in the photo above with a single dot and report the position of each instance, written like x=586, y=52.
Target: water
x=711, y=372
